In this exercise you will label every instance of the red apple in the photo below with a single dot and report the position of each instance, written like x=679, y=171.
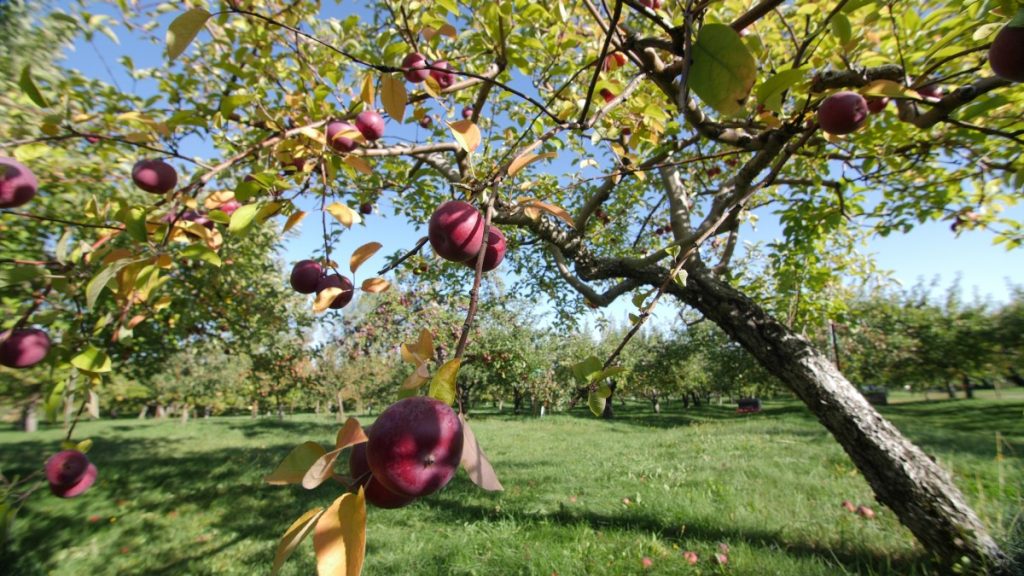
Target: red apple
x=614, y=61
x=652, y=4
x=305, y=276
x=607, y=94
x=456, y=231
x=24, y=347
x=415, y=66
x=366, y=208
x=370, y=124
x=336, y=281
x=865, y=512
x=441, y=73
x=467, y=112
x=876, y=105
x=690, y=557
x=842, y=113
x=375, y=492
x=931, y=92
x=495, y=250
x=70, y=473
x=415, y=446
x=1006, y=56
x=229, y=207
x=18, y=184
x=154, y=176
x=849, y=506
x=339, y=136
x=426, y=121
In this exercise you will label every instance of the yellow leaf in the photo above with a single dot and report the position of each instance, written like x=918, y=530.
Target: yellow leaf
x=447, y=30
x=362, y=254
x=393, y=96
x=466, y=133
x=320, y=470
x=344, y=214
x=325, y=298
x=359, y=164
x=532, y=206
x=293, y=220
x=375, y=285
x=418, y=377
x=424, y=346
x=430, y=86
x=428, y=32
x=340, y=536
x=164, y=261
x=294, y=536
x=526, y=159
x=350, y=434
x=475, y=462
x=316, y=135
x=442, y=386
x=161, y=303
x=218, y=198
x=366, y=90
x=294, y=466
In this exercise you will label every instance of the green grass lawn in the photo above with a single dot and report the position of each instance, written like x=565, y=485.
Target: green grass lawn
x=583, y=496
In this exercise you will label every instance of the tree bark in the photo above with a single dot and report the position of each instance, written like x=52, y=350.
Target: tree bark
x=918, y=490
x=968, y=386
x=30, y=415
x=340, y=414
x=184, y=413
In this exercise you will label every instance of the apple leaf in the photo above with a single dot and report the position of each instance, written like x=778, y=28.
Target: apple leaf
x=889, y=89
x=93, y=405
x=608, y=373
x=466, y=133
x=475, y=462
x=362, y=254
x=603, y=391
x=294, y=536
x=585, y=370
x=596, y=403
x=325, y=298
x=422, y=350
x=770, y=90
x=533, y=207
x=418, y=377
x=340, y=536
x=320, y=470
x=202, y=252
x=92, y=360
x=183, y=30
x=393, y=96
x=242, y=217
x=294, y=466
x=526, y=159
x=344, y=214
x=350, y=434
x=359, y=164
x=375, y=285
x=366, y=90
x=293, y=220
x=95, y=286
x=723, y=71
x=442, y=386
x=28, y=86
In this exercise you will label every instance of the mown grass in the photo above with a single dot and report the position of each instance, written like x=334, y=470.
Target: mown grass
x=176, y=499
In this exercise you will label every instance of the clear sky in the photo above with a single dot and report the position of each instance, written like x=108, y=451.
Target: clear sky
x=928, y=251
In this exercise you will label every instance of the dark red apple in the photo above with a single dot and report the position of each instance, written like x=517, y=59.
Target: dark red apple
x=495, y=250
x=336, y=281
x=876, y=105
x=70, y=473
x=652, y=4
x=306, y=275
x=198, y=218
x=18, y=184
x=467, y=112
x=842, y=113
x=23, y=347
x=931, y=92
x=339, y=136
x=415, y=66
x=456, y=231
x=370, y=124
x=375, y=492
x=1006, y=56
x=154, y=176
x=614, y=61
x=607, y=94
x=426, y=121
x=415, y=446
x=441, y=73
x=366, y=208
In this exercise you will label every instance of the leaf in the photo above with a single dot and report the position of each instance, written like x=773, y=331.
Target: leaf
x=344, y=214
x=243, y=217
x=466, y=133
x=603, y=391
x=889, y=89
x=723, y=71
x=294, y=466
x=375, y=285
x=442, y=386
x=526, y=159
x=475, y=462
x=777, y=84
x=393, y=95
x=202, y=252
x=422, y=350
x=293, y=220
x=340, y=536
x=28, y=86
x=418, y=377
x=586, y=369
x=841, y=28
x=680, y=278
x=92, y=360
x=359, y=164
x=362, y=254
x=366, y=90
x=533, y=207
x=608, y=373
x=183, y=30
x=350, y=434
x=596, y=404
x=95, y=286
x=325, y=298
x=320, y=470
x=294, y=536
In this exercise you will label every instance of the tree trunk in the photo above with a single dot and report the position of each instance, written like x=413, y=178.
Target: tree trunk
x=921, y=493
x=517, y=401
x=655, y=403
x=255, y=408
x=142, y=413
x=161, y=412
x=951, y=390
x=30, y=415
x=340, y=414
x=184, y=413
x=968, y=386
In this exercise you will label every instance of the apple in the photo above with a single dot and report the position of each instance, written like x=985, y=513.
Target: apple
x=339, y=136
x=70, y=473
x=198, y=218
x=848, y=506
x=415, y=66
x=495, y=250
x=415, y=446
x=931, y=92
x=154, y=176
x=18, y=184
x=92, y=139
x=614, y=61
x=305, y=276
x=375, y=492
x=426, y=121
x=646, y=562
x=690, y=557
x=229, y=207
x=876, y=105
x=441, y=73
x=467, y=112
x=842, y=113
x=1006, y=56
x=456, y=231
x=713, y=171
x=23, y=347
x=865, y=512
x=370, y=124
x=366, y=208
x=607, y=94
x=337, y=281
x=652, y=4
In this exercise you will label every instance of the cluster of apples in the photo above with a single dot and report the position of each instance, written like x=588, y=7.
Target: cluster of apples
x=456, y=233
x=309, y=276
x=414, y=449
x=342, y=136
x=417, y=69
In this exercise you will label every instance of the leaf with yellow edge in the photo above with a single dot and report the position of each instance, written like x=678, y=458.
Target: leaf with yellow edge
x=534, y=207
x=466, y=133
x=218, y=198
x=889, y=89
x=366, y=90
x=293, y=220
x=393, y=95
x=418, y=378
x=526, y=159
x=442, y=386
x=350, y=434
x=430, y=86
x=359, y=164
x=475, y=462
x=183, y=30
x=376, y=285
x=314, y=135
x=294, y=466
x=422, y=350
x=161, y=303
x=294, y=536
x=325, y=298
x=362, y=254
x=344, y=214
x=321, y=470
x=340, y=536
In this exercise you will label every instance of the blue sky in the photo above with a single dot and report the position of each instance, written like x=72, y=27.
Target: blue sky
x=930, y=250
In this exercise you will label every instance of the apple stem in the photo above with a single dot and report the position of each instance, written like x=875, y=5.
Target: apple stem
x=415, y=250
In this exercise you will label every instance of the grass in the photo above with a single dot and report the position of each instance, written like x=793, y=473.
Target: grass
x=176, y=499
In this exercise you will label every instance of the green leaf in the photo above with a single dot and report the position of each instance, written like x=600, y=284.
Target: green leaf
x=778, y=84
x=184, y=29
x=28, y=86
x=841, y=28
x=54, y=402
x=596, y=403
x=442, y=385
x=30, y=152
x=585, y=370
x=723, y=70
x=609, y=372
x=202, y=252
x=92, y=360
x=134, y=220
x=603, y=391
x=680, y=278
x=243, y=217
x=293, y=468
x=95, y=286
